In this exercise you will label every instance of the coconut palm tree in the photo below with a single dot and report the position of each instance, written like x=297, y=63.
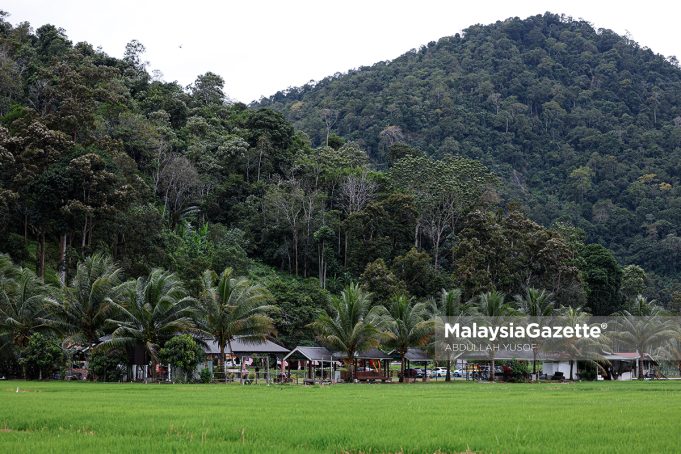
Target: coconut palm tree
x=233, y=306
x=643, y=333
x=23, y=306
x=671, y=351
x=642, y=307
x=536, y=303
x=8, y=272
x=448, y=306
x=153, y=310
x=589, y=349
x=351, y=325
x=493, y=304
x=84, y=306
x=407, y=325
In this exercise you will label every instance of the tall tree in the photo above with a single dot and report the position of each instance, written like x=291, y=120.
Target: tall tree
x=230, y=307
x=535, y=303
x=350, y=326
x=603, y=277
x=449, y=305
x=285, y=204
x=23, y=305
x=179, y=186
x=35, y=151
x=84, y=306
x=153, y=310
x=644, y=331
x=492, y=304
x=407, y=326
x=444, y=190
x=208, y=89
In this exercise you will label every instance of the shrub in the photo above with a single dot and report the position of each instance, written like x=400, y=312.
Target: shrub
x=108, y=365
x=588, y=374
x=42, y=357
x=206, y=375
x=516, y=371
x=182, y=352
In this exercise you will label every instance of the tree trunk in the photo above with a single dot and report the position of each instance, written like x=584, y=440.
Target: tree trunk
x=62, y=259
x=352, y=364
x=90, y=228
x=322, y=266
x=231, y=352
x=83, y=239
x=37, y=254
x=345, y=254
x=42, y=256
x=448, y=376
x=221, y=361
x=491, y=372
x=402, y=369
x=295, y=252
x=640, y=367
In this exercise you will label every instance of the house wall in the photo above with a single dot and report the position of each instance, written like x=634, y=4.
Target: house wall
x=551, y=367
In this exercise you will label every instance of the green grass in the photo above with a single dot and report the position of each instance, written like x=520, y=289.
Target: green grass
x=578, y=417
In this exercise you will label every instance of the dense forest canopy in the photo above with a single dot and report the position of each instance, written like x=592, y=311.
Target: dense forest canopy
x=583, y=125
x=407, y=178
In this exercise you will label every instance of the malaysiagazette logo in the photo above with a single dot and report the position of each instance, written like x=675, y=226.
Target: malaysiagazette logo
x=582, y=337
x=512, y=331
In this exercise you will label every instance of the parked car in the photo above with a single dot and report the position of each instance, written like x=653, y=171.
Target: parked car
x=439, y=372
x=457, y=373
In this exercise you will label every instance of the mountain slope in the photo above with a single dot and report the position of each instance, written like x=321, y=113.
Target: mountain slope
x=583, y=124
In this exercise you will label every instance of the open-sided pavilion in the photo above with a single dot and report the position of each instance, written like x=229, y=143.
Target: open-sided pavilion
x=241, y=348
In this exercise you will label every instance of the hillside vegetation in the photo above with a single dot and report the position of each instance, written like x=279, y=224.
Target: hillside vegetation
x=113, y=179
x=583, y=125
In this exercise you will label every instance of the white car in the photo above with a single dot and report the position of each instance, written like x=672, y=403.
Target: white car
x=439, y=372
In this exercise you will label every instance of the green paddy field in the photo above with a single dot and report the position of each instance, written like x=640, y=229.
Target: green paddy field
x=446, y=417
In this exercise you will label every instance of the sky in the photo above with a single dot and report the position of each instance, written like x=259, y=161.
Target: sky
x=260, y=47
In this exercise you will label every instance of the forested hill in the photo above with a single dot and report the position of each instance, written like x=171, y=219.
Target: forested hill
x=584, y=125
x=108, y=170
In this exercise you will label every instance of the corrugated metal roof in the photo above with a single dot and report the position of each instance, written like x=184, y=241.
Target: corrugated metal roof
x=413, y=354
x=310, y=354
x=322, y=353
x=243, y=347
x=372, y=353
x=626, y=356
x=501, y=354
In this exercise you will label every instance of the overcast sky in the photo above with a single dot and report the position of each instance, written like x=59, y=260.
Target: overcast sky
x=260, y=47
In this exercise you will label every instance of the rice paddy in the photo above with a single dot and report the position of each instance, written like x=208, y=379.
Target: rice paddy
x=445, y=417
